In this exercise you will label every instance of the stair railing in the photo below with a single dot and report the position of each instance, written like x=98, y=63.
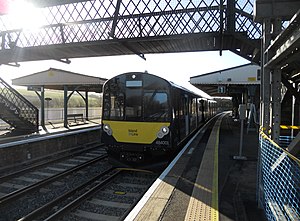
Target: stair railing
x=27, y=111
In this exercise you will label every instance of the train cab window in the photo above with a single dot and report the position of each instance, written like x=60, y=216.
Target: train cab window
x=156, y=106
x=117, y=107
x=133, y=110
x=113, y=107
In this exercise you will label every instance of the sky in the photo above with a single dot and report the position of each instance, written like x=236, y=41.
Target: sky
x=176, y=67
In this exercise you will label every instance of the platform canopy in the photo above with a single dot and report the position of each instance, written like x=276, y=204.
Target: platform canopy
x=56, y=79
x=222, y=82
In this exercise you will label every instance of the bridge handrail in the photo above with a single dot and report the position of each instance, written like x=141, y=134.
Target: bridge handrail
x=146, y=23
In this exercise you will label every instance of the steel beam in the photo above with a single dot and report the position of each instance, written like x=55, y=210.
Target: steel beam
x=294, y=147
x=284, y=9
x=276, y=104
x=266, y=94
x=115, y=20
x=84, y=28
x=285, y=44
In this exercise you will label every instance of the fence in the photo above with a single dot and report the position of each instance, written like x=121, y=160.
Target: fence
x=279, y=180
x=55, y=115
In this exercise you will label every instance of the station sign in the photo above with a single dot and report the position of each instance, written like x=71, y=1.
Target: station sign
x=221, y=89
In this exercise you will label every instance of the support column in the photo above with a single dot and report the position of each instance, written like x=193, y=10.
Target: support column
x=276, y=89
x=276, y=104
x=265, y=112
x=230, y=9
x=265, y=99
x=43, y=107
x=65, y=106
x=86, y=105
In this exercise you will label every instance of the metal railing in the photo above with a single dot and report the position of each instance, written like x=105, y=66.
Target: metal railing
x=279, y=179
x=54, y=115
x=94, y=20
x=18, y=105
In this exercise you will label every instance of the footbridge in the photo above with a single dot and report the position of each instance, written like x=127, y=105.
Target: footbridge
x=73, y=29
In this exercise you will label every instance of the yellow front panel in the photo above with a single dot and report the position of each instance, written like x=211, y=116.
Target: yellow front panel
x=135, y=132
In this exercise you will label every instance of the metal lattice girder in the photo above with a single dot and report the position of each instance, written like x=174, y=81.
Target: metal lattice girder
x=100, y=27
x=285, y=48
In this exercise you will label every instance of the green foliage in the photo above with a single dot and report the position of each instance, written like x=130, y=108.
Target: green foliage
x=57, y=99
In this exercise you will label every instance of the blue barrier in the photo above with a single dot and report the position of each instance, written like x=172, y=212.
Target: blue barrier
x=279, y=180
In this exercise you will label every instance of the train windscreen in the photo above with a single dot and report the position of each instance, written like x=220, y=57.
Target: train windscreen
x=138, y=99
x=156, y=106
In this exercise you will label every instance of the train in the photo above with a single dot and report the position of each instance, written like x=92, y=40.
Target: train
x=146, y=119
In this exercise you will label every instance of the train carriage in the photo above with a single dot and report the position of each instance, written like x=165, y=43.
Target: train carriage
x=146, y=119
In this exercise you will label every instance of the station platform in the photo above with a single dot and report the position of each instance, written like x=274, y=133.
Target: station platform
x=7, y=136
x=17, y=151
x=205, y=182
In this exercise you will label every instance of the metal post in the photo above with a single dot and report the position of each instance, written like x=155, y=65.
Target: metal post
x=242, y=113
x=65, y=106
x=86, y=105
x=241, y=139
x=276, y=89
x=276, y=103
x=293, y=111
x=266, y=77
x=48, y=99
x=43, y=107
x=230, y=13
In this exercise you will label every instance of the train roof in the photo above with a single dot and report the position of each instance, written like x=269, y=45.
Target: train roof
x=190, y=88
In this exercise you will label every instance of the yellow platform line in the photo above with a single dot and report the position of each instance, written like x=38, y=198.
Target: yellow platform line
x=204, y=202
x=215, y=192
x=288, y=127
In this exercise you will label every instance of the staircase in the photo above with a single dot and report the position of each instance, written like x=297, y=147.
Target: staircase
x=16, y=110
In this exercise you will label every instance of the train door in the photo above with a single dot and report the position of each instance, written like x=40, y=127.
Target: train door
x=199, y=112
x=186, y=115
x=193, y=113
x=183, y=116
x=176, y=116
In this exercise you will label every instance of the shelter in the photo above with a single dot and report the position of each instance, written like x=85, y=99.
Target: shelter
x=241, y=83
x=56, y=79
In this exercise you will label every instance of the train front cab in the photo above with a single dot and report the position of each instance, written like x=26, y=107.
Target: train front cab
x=136, y=119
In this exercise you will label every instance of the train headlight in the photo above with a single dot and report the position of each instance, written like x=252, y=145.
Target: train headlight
x=107, y=129
x=163, y=132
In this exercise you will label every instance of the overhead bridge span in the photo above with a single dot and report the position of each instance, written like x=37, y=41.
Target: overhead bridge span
x=73, y=29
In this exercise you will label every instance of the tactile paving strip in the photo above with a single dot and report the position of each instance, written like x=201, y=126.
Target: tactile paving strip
x=203, y=204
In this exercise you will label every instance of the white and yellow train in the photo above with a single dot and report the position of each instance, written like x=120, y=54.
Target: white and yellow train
x=146, y=119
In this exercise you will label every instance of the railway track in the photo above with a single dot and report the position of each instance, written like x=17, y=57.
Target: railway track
x=111, y=199
x=25, y=190
x=106, y=195
x=81, y=186
x=57, y=156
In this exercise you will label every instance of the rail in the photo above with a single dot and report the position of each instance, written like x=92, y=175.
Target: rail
x=279, y=178
x=10, y=197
